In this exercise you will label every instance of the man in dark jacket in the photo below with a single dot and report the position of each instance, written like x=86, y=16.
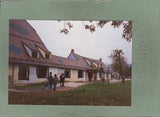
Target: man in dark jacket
x=62, y=79
x=55, y=80
x=50, y=80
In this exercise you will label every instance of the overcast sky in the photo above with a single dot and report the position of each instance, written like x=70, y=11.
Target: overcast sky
x=98, y=44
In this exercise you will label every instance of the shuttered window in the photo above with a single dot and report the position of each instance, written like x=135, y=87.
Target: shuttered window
x=80, y=74
x=23, y=73
x=41, y=72
x=67, y=73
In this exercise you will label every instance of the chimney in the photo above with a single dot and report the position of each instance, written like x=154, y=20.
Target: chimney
x=72, y=50
x=100, y=59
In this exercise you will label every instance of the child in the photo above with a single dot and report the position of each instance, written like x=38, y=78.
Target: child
x=45, y=84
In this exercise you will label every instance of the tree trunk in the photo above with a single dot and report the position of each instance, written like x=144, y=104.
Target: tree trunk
x=123, y=79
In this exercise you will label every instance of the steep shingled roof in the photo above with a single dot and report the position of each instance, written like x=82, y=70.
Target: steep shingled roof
x=67, y=63
x=21, y=33
x=83, y=61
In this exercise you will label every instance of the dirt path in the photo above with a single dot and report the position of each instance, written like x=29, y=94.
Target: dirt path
x=68, y=86
x=116, y=81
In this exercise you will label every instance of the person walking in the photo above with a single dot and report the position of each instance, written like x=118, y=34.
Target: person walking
x=55, y=80
x=95, y=77
x=61, y=80
x=45, y=84
x=62, y=77
x=50, y=80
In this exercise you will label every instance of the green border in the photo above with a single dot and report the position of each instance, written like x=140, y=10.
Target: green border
x=145, y=54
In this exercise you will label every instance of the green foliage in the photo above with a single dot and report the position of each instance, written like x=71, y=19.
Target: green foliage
x=127, y=71
x=28, y=86
x=127, y=27
x=90, y=27
x=118, y=60
x=119, y=64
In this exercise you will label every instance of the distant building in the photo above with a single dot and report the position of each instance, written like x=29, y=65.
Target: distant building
x=30, y=61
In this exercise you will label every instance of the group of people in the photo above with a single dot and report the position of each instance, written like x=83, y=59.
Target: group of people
x=101, y=77
x=53, y=80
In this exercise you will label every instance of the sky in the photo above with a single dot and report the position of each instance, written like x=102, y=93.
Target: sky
x=98, y=44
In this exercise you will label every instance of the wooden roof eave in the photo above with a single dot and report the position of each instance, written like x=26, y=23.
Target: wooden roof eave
x=38, y=63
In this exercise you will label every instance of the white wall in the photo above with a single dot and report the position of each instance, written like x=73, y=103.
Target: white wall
x=105, y=76
x=61, y=71
x=57, y=71
x=33, y=74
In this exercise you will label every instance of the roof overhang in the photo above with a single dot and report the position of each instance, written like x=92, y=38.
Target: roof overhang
x=39, y=63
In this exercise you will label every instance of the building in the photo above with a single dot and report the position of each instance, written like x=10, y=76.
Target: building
x=30, y=61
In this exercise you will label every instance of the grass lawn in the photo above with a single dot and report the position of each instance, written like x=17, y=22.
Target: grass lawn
x=29, y=86
x=99, y=93
x=34, y=85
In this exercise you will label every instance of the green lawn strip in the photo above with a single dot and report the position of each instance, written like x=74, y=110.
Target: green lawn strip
x=99, y=93
x=28, y=86
x=80, y=81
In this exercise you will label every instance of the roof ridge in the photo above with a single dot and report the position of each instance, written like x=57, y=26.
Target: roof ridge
x=35, y=32
x=86, y=57
x=62, y=57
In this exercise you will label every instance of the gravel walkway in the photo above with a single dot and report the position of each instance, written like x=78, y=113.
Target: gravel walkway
x=68, y=86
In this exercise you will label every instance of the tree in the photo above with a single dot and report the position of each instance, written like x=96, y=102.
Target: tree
x=127, y=27
x=127, y=71
x=118, y=63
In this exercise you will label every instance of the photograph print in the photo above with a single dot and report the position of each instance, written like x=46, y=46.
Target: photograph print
x=67, y=62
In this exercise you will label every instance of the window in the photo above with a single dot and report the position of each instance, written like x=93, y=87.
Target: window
x=80, y=74
x=31, y=52
x=47, y=55
x=67, y=73
x=16, y=50
x=23, y=73
x=41, y=72
x=94, y=65
x=21, y=30
x=34, y=53
x=60, y=60
x=90, y=63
